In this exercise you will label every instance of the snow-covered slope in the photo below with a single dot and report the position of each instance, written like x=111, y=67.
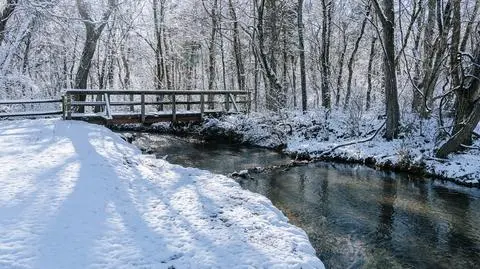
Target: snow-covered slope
x=74, y=195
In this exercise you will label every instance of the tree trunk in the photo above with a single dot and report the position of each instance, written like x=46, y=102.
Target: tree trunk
x=26, y=54
x=340, y=64
x=462, y=108
x=387, y=18
x=325, y=55
x=126, y=66
x=89, y=48
x=293, y=59
x=270, y=74
x=433, y=54
x=237, y=49
x=93, y=32
x=369, y=73
x=467, y=115
x=211, y=54
x=301, y=45
x=468, y=28
x=159, y=60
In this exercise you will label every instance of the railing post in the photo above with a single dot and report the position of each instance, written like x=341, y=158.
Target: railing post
x=132, y=98
x=174, y=108
x=69, y=106
x=202, y=105
x=227, y=102
x=108, y=111
x=64, y=107
x=249, y=104
x=142, y=109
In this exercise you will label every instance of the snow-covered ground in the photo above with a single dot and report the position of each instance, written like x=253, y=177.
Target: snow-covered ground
x=74, y=195
x=317, y=133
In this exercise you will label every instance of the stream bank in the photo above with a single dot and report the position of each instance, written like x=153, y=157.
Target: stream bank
x=309, y=137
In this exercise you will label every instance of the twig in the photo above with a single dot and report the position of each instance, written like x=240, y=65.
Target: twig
x=436, y=159
x=469, y=147
x=354, y=142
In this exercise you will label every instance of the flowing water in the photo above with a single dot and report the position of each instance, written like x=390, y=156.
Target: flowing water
x=355, y=217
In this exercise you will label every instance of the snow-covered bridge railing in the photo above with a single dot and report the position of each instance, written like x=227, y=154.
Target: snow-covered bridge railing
x=149, y=106
x=27, y=109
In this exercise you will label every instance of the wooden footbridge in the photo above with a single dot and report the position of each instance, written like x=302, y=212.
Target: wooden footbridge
x=128, y=106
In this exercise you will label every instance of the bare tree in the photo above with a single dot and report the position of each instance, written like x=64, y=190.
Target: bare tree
x=351, y=60
x=325, y=54
x=93, y=31
x=237, y=48
x=433, y=57
x=341, y=61
x=369, y=73
x=5, y=14
x=274, y=84
x=301, y=47
x=387, y=19
x=466, y=85
x=212, y=62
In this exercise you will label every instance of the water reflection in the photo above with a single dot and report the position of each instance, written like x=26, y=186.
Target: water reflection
x=385, y=221
x=357, y=217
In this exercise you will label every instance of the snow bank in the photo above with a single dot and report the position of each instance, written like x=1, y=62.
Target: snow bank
x=74, y=195
x=318, y=132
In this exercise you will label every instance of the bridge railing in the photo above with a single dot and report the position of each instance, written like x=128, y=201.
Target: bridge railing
x=162, y=101
x=26, y=112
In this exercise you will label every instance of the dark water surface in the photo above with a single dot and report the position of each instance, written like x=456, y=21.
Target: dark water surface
x=355, y=217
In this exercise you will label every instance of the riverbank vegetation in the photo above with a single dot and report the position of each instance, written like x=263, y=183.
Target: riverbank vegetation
x=340, y=138
x=388, y=72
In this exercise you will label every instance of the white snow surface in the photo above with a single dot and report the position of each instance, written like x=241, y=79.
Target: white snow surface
x=75, y=195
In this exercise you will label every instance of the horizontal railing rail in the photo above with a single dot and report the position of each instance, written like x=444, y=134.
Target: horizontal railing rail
x=31, y=113
x=25, y=102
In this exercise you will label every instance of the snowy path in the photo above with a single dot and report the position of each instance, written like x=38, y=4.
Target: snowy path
x=74, y=195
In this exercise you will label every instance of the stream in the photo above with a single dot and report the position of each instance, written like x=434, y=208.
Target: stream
x=355, y=217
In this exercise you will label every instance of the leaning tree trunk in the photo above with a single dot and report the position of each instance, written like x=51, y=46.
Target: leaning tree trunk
x=467, y=91
x=458, y=140
x=468, y=99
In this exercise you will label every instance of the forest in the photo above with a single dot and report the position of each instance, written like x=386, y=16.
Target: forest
x=390, y=58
